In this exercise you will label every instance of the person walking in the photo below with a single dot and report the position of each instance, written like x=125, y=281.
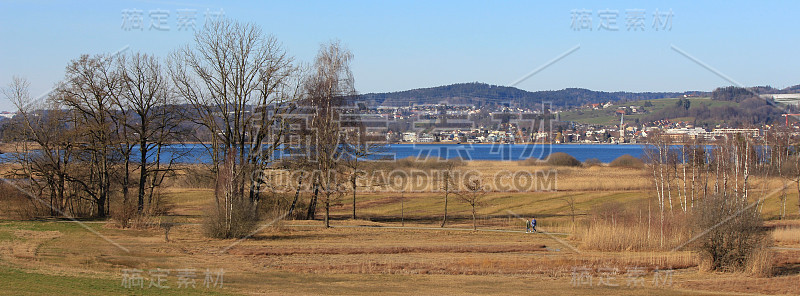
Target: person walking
x=527, y=226
x=533, y=224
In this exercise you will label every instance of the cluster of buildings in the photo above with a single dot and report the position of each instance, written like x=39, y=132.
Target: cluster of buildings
x=438, y=124
x=458, y=136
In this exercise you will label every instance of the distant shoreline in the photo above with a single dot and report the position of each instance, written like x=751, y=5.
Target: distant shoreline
x=524, y=143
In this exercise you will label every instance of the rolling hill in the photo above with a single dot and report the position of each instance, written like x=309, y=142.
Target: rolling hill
x=480, y=94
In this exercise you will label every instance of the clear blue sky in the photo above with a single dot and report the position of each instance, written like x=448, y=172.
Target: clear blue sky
x=400, y=45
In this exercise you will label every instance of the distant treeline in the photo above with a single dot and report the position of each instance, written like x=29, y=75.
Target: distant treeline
x=485, y=94
x=750, y=110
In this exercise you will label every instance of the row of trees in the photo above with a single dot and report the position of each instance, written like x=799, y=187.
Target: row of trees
x=750, y=111
x=720, y=187
x=102, y=133
x=106, y=132
x=106, y=120
x=481, y=94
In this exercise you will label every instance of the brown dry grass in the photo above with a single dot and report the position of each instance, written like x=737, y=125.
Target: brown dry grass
x=282, y=251
x=372, y=260
x=630, y=237
x=786, y=235
x=384, y=251
x=501, y=175
x=280, y=258
x=595, y=178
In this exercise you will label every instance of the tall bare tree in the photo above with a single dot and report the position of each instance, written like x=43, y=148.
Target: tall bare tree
x=657, y=154
x=447, y=176
x=328, y=86
x=473, y=192
x=44, y=127
x=145, y=103
x=239, y=82
x=358, y=147
x=88, y=90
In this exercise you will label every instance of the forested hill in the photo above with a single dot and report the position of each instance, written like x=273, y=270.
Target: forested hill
x=481, y=93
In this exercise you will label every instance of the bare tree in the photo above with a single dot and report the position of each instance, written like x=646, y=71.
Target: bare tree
x=570, y=200
x=145, y=109
x=358, y=147
x=657, y=153
x=44, y=127
x=328, y=85
x=239, y=82
x=447, y=177
x=88, y=90
x=472, y=194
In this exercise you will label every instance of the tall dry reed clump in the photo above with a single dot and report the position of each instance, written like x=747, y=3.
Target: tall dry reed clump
x=733, y=238
x=555, y=159
x=562, y=159
x=14, y=204
x=592, y=162
x=613, y=227
x=194, y=176
x=785, y=234
x=627, y=161
x=415, y=163
x=232, y=215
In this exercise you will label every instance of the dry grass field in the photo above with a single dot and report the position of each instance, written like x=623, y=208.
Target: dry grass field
x=395, y=247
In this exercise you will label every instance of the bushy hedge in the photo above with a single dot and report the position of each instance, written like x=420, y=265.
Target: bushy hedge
x=627, y=161
x=562, y=159
x=592, y=162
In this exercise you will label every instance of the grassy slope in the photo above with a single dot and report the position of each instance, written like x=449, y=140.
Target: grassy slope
x=608, y=117
x=76, y=262
x=18, y=282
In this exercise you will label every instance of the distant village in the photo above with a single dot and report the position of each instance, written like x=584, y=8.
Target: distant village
x=432, y=123
x=469, y=124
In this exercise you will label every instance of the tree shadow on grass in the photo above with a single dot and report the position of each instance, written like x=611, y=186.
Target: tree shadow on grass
x=292, y=236
x=786, y=269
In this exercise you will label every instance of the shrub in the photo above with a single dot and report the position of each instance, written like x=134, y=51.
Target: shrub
x=237, y=220
x=616, y=227
x=122, y=213
x=409, y=163
x=592, y=162
x=627, y=161
x=232, y=215
x=16, y=205
x=196, y=176
x=562, y=159
x=531, y=161
x=734, y=239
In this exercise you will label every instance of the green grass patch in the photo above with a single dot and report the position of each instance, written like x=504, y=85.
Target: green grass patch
x=609, y=117
x=18, y=282
x=63, y=227
x=7, y=236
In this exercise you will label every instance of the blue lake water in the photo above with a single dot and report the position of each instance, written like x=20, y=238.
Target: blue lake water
x=605, y=153
x=196, y=153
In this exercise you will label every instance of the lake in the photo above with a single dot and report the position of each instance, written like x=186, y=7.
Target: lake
x=605, y=153
x=196, y=153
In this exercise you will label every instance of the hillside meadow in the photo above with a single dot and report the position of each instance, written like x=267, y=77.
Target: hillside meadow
x=396, y=246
